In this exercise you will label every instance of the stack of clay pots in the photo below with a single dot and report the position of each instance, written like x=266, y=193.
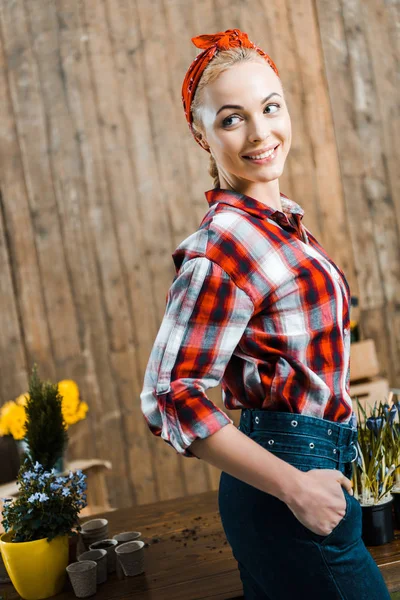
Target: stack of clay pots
x=99, y=555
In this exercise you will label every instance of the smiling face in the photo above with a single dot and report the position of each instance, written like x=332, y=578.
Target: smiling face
x=244, y=112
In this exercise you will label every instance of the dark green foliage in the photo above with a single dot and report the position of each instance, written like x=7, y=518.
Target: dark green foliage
x=46, y=434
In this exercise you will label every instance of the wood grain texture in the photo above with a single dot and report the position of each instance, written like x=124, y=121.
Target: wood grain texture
x=101, y=180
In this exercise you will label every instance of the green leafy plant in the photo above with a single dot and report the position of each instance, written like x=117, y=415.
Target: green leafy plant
x=379, y=453
x=46, y=434
x=47, y=506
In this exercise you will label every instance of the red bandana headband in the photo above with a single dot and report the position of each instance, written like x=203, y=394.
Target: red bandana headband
x=211, y=45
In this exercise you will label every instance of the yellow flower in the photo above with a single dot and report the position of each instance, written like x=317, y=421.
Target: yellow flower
x=12, y=420
x=5, y=414
x=73, y=408
x=82, y=410
x=17, y=425
x=21, y=400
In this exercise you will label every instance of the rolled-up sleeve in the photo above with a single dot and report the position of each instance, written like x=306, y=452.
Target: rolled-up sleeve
x=206, y=315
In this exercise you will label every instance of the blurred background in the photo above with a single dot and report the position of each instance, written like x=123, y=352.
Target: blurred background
x=100, y=180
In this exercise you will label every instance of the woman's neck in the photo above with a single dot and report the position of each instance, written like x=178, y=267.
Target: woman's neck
x=266, y=192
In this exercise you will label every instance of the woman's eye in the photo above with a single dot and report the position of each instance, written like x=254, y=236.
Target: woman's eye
x=227, y=121
x=276, y=105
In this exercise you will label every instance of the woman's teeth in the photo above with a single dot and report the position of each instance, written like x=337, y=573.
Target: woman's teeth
x=264, y=155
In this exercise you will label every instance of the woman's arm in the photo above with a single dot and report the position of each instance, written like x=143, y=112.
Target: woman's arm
x=315, y=497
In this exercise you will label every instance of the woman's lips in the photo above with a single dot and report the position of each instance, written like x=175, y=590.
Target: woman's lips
x=262, y=161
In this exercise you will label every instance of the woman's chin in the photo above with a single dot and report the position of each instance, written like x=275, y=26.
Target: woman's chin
x=265, y=177
x=264, y=172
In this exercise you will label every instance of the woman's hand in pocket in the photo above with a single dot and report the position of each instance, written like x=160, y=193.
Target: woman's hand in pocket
x=319, y=502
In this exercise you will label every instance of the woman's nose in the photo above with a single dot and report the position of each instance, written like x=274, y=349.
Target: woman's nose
x=258, y=131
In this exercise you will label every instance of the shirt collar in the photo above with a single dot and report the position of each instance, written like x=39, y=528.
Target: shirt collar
x=253, y=206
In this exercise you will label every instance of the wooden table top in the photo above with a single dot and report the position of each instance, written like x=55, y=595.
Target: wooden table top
x=188, y=557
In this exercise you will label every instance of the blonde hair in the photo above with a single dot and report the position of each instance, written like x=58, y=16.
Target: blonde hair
x=222, y=61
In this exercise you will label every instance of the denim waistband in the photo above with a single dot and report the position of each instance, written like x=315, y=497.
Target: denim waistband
x=333, y=444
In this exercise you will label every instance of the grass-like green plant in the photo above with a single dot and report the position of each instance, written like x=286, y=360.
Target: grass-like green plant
x=374, y=472
x=46, y=434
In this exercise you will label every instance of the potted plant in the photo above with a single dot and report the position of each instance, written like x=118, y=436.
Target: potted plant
x=13, y=419
x=373, y=473
x=39, y=522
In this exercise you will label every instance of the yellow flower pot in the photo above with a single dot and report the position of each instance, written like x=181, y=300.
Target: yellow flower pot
x=36, y=569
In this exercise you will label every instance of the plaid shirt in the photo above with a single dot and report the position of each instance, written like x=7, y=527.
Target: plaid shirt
x=256, y=305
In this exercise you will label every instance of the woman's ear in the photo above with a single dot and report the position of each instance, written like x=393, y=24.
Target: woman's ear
x=201, y=139
x=203, y=142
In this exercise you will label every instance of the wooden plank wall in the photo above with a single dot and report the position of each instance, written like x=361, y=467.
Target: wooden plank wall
x=100, y=181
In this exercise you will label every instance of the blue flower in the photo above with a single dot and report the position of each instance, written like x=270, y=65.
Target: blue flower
x=61, y=480
x=66, y=491
x=54, y=486
x=392, y=414
x=37, y=466
x=29, y=475
x=375, y=424
x=38, y=496
x=81, y=486
x=34, y=497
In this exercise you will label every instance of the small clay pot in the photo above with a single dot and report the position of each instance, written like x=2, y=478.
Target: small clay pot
x=131, y=557
x=109, y=546
x=83, y=577
x=127, y=536
x=94, y=525
x=100, y=557
x=93, y=531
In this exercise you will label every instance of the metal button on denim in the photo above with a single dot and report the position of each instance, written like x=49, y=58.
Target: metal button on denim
x=329, y=431
x=270, y=442
x=294, y=423
x=257, y=420
x=312, y=445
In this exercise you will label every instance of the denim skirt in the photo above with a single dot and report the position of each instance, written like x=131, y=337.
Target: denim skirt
x=278, y=557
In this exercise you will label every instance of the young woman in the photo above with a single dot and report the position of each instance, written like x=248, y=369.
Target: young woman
x=258, y=306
